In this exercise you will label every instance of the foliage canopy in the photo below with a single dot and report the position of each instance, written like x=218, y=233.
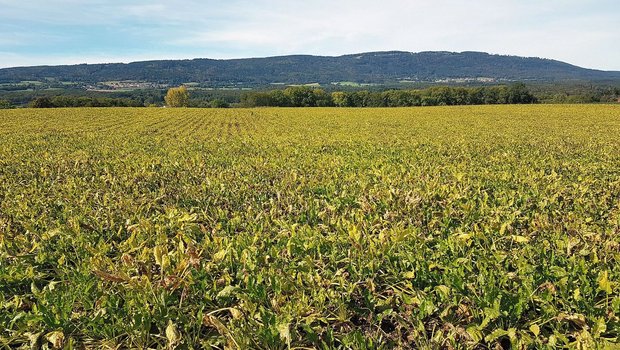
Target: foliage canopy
x=177, y=97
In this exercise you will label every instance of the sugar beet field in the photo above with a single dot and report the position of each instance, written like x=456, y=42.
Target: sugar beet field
x=426, y=228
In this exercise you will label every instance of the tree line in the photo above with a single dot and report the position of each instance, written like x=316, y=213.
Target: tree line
x=307, y=96
x=6, y=104
x=303, y=96
x=82, y=101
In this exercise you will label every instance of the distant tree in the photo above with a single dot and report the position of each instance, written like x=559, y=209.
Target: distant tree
x=322, y=98
x=4, y=104
x=256, y=99
x=41, y=102
x=461, y=96
x=278, y=99
x=217, y=103
x=491, y=96
x=360, y=98
x=177, y=97
x=341, y=99
x=300, y=96
x=518, y=93
x=476, y=96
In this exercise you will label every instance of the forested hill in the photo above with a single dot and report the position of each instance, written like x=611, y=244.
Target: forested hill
x=369, y=68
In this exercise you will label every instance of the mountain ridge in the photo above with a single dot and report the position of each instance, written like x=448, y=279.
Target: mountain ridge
x=380, y=67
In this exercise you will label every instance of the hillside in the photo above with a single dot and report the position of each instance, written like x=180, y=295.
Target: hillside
x=365, y=68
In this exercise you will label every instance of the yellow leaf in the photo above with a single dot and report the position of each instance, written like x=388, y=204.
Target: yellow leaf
x=463, y=236
x=285, y=333
x=409, y=275
x=520, y=239
x=443, y=290
x=219, y=256
x=158, y=253
x=503, y=228
x=354, y=234
x=57, y=339
x=603, y=282
x=172, y=334
x=535, y=330
x=236, y=314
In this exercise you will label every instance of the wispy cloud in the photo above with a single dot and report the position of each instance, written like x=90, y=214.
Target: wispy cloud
x=575, y=31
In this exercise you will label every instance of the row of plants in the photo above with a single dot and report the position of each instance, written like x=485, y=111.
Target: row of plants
x=310, y=228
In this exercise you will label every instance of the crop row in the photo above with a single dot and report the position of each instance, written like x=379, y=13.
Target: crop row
x=456, y=227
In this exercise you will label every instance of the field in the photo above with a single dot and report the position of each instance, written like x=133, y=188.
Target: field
x=444, y=227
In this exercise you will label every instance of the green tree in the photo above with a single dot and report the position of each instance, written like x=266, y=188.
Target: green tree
x=42, y=102
x=341, y=99
x=177, y=97
x=4, y=104
x=322, y=98
x=300, y=96
x=518, y=93
x=218, y=103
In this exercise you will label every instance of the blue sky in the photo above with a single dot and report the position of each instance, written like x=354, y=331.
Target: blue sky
x=35, y=32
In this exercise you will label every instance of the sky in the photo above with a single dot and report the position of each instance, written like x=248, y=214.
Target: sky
x=50, y=32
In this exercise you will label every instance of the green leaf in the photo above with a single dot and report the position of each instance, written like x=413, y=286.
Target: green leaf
x=498, y=333
x=493, y=312
x=474, y=333
x=227, y=292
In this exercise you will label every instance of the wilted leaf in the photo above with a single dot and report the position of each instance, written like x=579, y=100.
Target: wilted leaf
x=535, y=330
x=236, y=314
x=285, y=332
x=158, y=254
x=577, y=320
x=172, y=334
x=109, y=276
x=57, y=339
x=35, y=340
x=520, y=239
x=409, y=275
x=603, y=282
x=213, y=322
x=219, y=256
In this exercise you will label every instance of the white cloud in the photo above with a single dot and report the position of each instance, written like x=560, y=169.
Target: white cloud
x=575, y=31
x=11, y=59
